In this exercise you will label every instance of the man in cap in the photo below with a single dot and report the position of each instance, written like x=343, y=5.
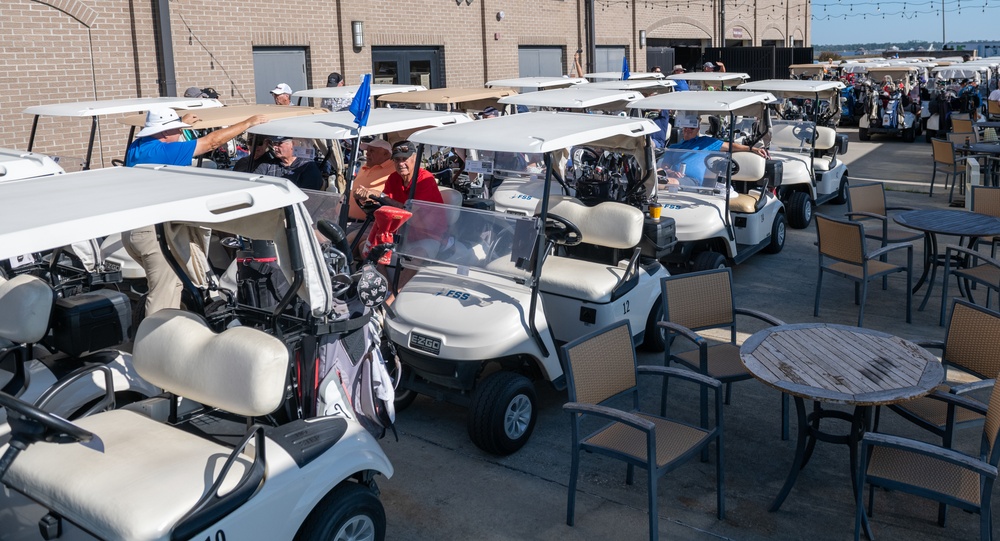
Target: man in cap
x=691, y=139
x=303, y=172
x=194, y=92
x=681, y=85
x=372, y=176
x=709, y=66
x=159, y=143
x=397, y=186
x=335, y=104
x=282, y=94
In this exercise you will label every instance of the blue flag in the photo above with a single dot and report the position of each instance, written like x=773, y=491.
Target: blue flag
x=625, y=72
x=362, y=103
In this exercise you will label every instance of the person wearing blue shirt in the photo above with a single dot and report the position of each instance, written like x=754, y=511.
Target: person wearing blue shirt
x=681, y=85
x=159, y=142
x=694, y=167
x=661, y=137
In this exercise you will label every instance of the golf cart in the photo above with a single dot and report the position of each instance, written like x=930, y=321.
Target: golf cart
x=647, y=87
x=467, y=100
x=580, y=99
x=808, y=147
x=723, y=204
x=496, y=294
x=522, y=84
x=887, y=108
x=300, y=464
x=710, y=80
x=816, y=72
x=348, y=92
x=97, y=109
x=18, y=164
x=603, y=76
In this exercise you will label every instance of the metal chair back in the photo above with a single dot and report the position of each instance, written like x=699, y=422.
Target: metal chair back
x=869, y=197
x=943, y=151
x=700, y=300
x=841, y=239
x=602, y=368
x=986, y=200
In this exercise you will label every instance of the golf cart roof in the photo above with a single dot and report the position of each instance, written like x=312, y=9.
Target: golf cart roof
x=704, y=102
x=721, y=76
x=535, y=132
x=110, y=107
x=958, y=71
x=899, y=68
x=350, y=91
x=859, y=67
x=617, y=75
x=537, y=82
x=340, y=125
x=635, y=84
x=447, y=96
x=233, y=114
x=576, y=97
x=47, y=212
x=810, y=66
x=18, y=164
x=791, y=88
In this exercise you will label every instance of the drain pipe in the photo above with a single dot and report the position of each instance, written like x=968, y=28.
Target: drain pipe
x=165, y=50
x=591, y=25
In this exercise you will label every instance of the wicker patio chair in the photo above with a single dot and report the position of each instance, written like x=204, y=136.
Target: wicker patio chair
x=601, y=367
x=993, y=110
x=867, y=202
x=843, y=242
x=948, y=163
x=986, y=200
x=933, y=472
x=961, y=125
x=699, y=301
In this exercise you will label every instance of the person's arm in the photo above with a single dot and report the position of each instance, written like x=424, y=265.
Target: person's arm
x=760, y=151
x=722, y=67
x=578, y=65
x=221, y=136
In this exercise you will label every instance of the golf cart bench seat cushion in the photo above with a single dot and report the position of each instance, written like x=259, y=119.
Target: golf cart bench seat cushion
x=750, y=167
x=823, y=163
x=826, y=138
x=133, y=482
x=746, y=203
x=791, y=136
x=25, y=308
x=241, y=370
x=611, y=224
x=578, y=279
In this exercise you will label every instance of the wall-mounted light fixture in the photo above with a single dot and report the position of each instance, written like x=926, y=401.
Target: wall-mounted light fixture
x=500, y=15
x=642, y=39
x=358, y=30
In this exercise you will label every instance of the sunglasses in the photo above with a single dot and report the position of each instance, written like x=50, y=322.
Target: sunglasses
x=402, y=148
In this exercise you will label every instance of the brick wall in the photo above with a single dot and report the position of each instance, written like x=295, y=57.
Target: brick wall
x=74, y=50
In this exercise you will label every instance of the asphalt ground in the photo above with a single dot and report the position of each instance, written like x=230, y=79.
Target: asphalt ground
x=444, y=487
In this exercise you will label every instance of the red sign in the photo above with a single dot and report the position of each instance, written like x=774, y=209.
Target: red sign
x=737, y=33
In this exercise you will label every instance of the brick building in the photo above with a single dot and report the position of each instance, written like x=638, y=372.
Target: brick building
x=75, y=50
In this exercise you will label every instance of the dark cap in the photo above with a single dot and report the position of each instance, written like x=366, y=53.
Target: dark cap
x=490, y=112
x=210, y=92
x=334, y=79
x=403, y=149
x=277, y=138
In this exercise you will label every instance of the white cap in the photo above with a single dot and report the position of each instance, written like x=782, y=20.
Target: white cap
x=282, y=88
x=377, y=143
x=687, y=120
x=161, y=120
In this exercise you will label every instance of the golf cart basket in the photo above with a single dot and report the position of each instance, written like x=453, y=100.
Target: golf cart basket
x=613, y=176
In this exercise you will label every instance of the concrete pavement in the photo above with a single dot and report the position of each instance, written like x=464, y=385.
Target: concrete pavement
x=446, y=488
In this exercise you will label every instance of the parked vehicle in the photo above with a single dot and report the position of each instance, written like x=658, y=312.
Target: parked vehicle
x=580, y=99
x=711, y=80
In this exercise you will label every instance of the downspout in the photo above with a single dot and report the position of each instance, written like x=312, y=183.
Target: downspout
x=591, y=35
x=165, y=50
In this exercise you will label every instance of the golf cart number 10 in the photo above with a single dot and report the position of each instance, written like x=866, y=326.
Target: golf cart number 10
x=220, y=535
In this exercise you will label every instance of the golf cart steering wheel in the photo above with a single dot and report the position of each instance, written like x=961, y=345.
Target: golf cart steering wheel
x=562, y=231
x=717, y=165
x=35, y=424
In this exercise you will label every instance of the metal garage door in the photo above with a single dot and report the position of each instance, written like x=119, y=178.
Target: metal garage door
x=609, y=59
x=540, y=61
x=273, y=65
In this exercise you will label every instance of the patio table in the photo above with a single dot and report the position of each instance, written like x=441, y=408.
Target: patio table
x=934, y=222
x=837, y=364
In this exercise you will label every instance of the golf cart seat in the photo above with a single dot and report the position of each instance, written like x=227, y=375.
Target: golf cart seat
x=452, y=197
x=748, y=167
x=25, y=308
x=140, y=479
x=826, y=139
x=609, y=224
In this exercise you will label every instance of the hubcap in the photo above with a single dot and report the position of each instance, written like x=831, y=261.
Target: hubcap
x=359, y=528
x=781, y=233
x=517, y=417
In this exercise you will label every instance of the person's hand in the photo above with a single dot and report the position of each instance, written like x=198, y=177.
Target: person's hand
x=190, y=119
x=760, y=151
x=257, y=120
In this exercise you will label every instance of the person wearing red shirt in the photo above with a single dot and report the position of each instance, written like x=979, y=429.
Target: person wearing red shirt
x=397, y=186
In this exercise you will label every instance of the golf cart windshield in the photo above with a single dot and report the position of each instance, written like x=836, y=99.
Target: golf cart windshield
x=464, y=238
x=695, y=170
x=793, y=136
x=513, y=164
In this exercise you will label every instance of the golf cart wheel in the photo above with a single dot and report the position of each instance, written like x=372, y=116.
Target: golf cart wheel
x=909, y=135
x=503, y=413
x=800, y=210
x=350, y=512
x=654, y=338
x=402, y=397
x=777, y=235
x=841, y=197
x=863, y=134
x=709, y=260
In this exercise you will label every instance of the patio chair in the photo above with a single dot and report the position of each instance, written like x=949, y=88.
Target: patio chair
x=867, y=202
x=699, y=301
x=948, y=163
x=843, y=242
x=993, y=110
x=601, y=367
x=937, y=473
x=961, y=125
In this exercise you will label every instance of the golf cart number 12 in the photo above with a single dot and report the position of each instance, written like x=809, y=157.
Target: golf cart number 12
x=625, y=308
x=220, y=535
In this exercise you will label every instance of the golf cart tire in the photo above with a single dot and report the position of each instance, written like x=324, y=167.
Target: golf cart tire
x=492, y=400
x=778, y=232
x=800, y=210
x=349, y=511
x=401, y=398
x=709, y=261
x=654, y=339
x=863, y=134
x=909, y=135
x=841, y=197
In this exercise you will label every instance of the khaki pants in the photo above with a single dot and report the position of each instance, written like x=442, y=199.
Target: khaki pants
x=164, y=286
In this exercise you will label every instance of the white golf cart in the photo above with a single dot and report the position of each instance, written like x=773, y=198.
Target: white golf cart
x=235, y=448
x=648, y=87
x=579, y=99
x=18, y=164
x=97, y=109
x=468, y=100
x=522, y=84
x=892, y=102
x=602, y=76
x=722, y=203
x=710, y=80
x=811, y=173
x=497, y=293
x=348, y=92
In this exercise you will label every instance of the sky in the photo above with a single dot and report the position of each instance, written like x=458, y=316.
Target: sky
x=872, y=21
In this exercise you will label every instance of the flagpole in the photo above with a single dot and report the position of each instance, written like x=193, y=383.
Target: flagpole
x=361, y=106
x=349, y=181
